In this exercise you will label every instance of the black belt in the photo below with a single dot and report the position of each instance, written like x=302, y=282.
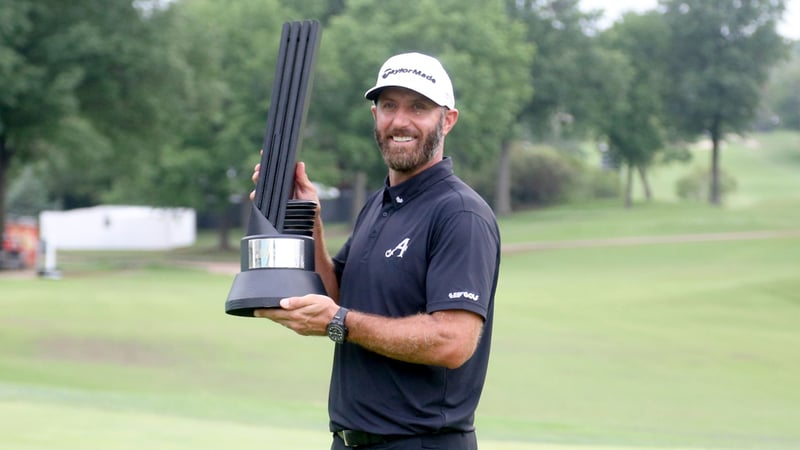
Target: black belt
x=354, y=438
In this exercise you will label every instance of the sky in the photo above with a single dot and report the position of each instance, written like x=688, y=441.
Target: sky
x=790, y=26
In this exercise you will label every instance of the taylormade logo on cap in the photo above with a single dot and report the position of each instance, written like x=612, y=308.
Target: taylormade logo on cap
x=420, y=73
x=389, y=71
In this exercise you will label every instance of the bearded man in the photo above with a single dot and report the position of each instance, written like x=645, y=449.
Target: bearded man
x=411, y=293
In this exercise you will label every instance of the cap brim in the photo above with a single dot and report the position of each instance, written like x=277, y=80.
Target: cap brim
x=373, y=93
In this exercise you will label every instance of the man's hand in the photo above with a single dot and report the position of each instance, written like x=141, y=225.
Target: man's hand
x=304, y=189
x=308, y=315
x=254, y=177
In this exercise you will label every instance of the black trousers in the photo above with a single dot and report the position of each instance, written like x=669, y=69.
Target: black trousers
x=443, y=441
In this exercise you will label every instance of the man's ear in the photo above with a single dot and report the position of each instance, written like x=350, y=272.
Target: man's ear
x=450, y=119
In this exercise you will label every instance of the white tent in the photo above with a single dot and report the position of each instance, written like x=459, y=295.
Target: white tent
x=113, y=227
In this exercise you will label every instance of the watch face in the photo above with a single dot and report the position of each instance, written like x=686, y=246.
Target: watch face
x=336, y=333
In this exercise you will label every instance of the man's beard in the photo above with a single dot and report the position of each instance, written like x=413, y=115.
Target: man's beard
x=407, y=161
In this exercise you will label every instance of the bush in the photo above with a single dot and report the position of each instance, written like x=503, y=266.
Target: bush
x=541, y=176
x=695, y=185
x=599, y=183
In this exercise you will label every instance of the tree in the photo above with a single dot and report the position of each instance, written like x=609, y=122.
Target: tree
x=720, y=55
x=782, y=95
x=573, y=76
x=34, y=96
x=636, y=124
x=82, y=88
x=230, y=51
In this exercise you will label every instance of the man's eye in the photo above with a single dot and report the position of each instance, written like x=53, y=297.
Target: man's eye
x=420, y=107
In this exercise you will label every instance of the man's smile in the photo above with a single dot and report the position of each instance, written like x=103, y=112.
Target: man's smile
x=402, y=138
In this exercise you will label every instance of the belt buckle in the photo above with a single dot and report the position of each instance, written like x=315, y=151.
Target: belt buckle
x=344, y=434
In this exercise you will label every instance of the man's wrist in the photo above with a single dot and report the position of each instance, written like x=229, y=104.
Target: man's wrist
x=336, y=329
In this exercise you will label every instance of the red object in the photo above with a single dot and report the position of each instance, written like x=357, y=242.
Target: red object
x=22, y=238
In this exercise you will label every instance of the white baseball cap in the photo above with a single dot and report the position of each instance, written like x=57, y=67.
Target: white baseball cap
x=421, y=73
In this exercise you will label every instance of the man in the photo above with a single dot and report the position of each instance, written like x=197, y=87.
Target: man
x=411, y=293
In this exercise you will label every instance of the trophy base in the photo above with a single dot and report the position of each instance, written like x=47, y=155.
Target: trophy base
x=264, y=288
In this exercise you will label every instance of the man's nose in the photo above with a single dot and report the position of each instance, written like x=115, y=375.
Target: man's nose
x=403, y=116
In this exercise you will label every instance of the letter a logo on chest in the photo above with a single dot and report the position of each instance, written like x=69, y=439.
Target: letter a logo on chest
x=399, y=249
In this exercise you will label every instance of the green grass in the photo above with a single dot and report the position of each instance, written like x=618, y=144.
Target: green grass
x=691, y=345
x=663, y=345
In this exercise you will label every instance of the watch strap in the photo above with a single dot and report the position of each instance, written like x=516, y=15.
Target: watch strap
x=340, y=315
x=336, y=329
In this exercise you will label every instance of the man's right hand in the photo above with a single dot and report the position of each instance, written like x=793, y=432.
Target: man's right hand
x=256, y=169
x=304, y=189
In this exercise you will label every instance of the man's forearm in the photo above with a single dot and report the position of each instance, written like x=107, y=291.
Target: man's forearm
x=444, y=338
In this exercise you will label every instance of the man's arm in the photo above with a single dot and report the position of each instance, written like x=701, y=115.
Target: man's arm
x=443, y=338
x=323, y=263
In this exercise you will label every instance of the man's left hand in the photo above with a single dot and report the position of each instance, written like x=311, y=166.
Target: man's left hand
x=308, y=315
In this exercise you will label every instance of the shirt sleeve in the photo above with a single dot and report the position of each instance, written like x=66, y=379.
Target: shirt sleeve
x=464, y=263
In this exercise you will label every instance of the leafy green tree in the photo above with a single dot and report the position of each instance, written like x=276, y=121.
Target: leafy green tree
x=575, y=78
x=720, y=55
x=34, y=96
x=83, y=84
x=559, y=30
x=636, y=123
x=782, y=95
x=230, y=51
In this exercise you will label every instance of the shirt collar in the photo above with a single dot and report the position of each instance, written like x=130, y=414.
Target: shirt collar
x=407, y=190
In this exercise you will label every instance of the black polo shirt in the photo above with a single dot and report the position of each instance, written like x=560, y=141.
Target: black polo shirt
x=426, y=245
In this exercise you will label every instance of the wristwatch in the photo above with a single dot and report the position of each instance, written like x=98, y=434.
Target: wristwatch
x=336, y=329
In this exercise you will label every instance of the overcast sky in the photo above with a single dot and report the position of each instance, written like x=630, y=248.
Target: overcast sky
x=790, y=27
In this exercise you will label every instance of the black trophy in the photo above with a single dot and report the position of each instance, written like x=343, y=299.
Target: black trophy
x=278, y=250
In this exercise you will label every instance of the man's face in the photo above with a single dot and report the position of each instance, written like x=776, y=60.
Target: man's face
x=409, y=129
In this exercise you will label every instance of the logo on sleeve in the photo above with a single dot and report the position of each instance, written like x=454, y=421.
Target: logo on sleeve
x=469, y=295
x=399, y=249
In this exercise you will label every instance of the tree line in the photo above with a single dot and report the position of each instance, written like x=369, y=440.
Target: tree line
x=165, y=102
